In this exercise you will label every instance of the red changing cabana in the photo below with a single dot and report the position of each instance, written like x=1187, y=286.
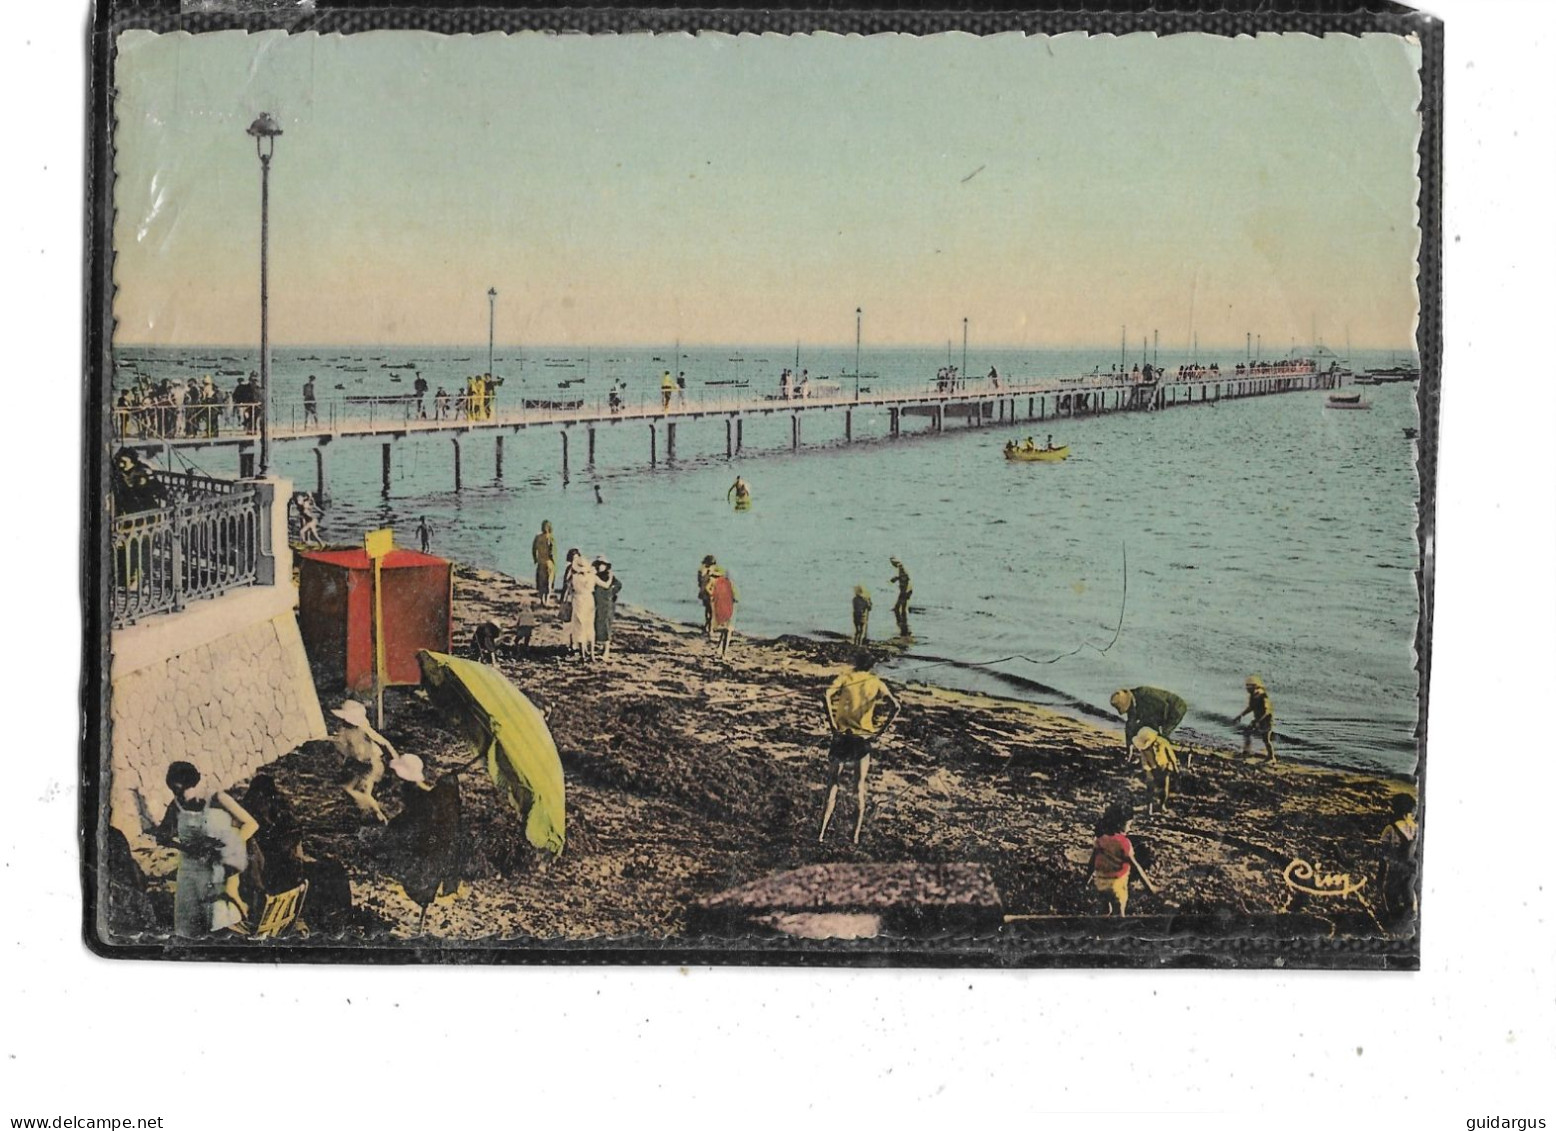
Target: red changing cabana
x=335, y=613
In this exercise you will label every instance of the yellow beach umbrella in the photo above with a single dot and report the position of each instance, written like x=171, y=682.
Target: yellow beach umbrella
x=503, y=726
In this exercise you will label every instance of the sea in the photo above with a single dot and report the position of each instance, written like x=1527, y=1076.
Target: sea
x=1184, y=549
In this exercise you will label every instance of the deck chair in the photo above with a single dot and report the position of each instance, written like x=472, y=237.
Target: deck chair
x=281, y=911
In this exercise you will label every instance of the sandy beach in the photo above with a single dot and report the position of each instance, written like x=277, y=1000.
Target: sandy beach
x=688, y=776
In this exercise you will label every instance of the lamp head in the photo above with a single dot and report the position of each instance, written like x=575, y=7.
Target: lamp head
x=264, y=126
x=492, y=293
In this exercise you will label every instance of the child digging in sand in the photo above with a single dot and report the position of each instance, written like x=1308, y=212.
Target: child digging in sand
x=1112, y=857
x=1159, y=761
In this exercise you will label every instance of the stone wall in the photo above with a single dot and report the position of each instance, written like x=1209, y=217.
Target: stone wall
x=223, y=684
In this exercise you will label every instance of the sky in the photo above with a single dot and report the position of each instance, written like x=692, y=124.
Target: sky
x=758, y=189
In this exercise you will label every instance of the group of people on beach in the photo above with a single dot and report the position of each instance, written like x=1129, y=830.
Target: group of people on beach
x=585, y=597
x=862, y=604
x=1151, y=716
x=241, y=866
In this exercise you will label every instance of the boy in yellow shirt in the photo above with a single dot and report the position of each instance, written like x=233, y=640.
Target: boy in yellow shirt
x=859, y=709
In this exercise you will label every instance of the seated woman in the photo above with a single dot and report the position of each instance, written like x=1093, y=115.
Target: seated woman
x=212, y=841
x=281, y=863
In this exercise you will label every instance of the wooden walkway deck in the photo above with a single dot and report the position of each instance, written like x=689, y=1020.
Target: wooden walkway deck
x=389, y=421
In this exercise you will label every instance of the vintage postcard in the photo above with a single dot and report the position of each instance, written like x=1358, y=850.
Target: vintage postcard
x=773, y=493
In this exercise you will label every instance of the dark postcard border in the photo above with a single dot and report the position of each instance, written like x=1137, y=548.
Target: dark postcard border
x=1160, y=943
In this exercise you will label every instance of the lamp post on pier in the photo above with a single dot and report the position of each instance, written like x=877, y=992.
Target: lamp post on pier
x=858, y=336
x=964, y=349
x=491, y=328
x=264, y=131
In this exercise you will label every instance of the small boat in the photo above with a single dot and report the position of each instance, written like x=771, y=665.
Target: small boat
x=396, y=377
x=340, y=386
x=1346, y=400
x=1410, y=433
x=1037, y=455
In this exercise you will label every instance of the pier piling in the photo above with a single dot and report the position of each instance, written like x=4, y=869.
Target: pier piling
x=497, y=451
x=318, y=467
x=848, y=425
x=653, y=446
x=459, y=481
x=794, y=431
x=740, y=433
x=591, y=447
x=729, y=438
x=669, y=441
x=384, y=460
x=563, y=434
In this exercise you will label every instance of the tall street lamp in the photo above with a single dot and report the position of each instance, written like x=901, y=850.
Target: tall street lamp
x=264, y=132
x=491, y=328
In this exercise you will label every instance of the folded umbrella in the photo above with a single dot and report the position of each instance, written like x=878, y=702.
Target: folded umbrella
x=505, y=728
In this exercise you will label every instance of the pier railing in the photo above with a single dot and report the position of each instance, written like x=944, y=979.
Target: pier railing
x=407, y=413
x=202, y=542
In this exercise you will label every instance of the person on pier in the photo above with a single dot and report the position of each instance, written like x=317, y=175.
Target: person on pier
x=440, y=404
x=859, y=708
x=543, y=551
x=667, y=389
x=420, y=385
x=310, y=402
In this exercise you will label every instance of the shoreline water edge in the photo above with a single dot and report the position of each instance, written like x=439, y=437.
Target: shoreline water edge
x=695, y=788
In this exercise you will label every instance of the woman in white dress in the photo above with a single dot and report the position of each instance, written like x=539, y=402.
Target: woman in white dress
x=581, y=584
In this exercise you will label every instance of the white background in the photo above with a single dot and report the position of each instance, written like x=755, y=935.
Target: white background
x=1472, y=1035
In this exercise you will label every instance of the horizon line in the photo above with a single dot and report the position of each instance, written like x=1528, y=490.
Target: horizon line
x=1006, y=347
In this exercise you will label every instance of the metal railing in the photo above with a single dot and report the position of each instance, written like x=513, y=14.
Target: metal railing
x=203, y=542
x=406, y=413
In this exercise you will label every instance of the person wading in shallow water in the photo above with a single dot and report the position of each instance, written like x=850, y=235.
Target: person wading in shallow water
x=904, y=585
x=859, y=709
x=862, y=606
x=1261, y=714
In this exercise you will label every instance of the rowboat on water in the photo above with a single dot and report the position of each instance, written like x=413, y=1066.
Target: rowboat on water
x=1346, y=400
x=1037, y=455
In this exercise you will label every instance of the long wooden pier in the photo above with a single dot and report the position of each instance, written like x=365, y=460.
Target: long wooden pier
x=389, y=421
